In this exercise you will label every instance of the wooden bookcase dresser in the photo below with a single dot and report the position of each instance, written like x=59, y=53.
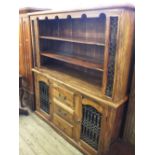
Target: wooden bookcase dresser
x=82, y=61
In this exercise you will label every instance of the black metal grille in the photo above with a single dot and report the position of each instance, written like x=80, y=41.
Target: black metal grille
x=91, y=123
x=112, y=53
x=44, y=97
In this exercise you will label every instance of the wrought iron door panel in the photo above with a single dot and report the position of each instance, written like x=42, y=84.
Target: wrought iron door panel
x=112, y=54
x=91, y=123
x=44, y=96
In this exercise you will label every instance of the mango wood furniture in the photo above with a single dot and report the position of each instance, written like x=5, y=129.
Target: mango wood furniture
x=82, y=60
x=25, y=53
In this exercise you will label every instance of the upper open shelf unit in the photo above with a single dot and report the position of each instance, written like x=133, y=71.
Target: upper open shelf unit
x=74, y=42
x=95, y=43
x=76, y=30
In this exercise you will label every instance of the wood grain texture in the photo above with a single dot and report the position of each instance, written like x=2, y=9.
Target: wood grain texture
x=74, y=78
x=70, y=79
x=106, y=54
x=25, y=58
x=38, y=138
x=25, y=53
x=124, y=50
x=76, y=40
x=129, y=131
x=73, y=60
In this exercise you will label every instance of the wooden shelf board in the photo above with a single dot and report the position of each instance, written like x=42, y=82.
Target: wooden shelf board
x=76, y=40
x=74, y=61
x=73, y=78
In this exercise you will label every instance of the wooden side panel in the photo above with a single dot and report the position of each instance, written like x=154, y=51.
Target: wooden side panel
x=25, y=53
x=129, y=131
x=28, y=53
x=110, y=127
x=123, y=55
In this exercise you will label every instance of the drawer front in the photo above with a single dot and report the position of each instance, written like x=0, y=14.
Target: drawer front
x=63, y=125
x=64, y=95
x=64, y=113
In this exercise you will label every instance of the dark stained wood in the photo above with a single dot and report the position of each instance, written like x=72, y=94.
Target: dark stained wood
x=73, y=61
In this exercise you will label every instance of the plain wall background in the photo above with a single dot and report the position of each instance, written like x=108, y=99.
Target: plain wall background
x=70, y=4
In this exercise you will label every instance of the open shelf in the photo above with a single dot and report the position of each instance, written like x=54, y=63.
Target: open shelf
x=74, y=61
x=74, y=40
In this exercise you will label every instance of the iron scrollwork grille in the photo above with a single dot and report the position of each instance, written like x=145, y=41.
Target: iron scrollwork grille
x=91, y=124
x=44, y=96
x=112, y=53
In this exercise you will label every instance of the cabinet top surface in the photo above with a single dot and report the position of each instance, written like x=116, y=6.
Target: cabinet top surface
x=126, y=7
x=31, y=10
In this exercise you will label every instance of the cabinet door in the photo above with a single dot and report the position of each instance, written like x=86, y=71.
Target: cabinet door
x=43, y=97
x=90, y=125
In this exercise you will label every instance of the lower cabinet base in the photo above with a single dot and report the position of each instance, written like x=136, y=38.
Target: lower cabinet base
x=71, y=141
x=88, y=124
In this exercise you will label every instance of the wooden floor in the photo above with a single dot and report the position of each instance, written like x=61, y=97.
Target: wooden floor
x=38, y=138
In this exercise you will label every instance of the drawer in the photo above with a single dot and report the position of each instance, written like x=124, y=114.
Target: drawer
x=64, y=95
x=63, y=125
x=63, y=111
